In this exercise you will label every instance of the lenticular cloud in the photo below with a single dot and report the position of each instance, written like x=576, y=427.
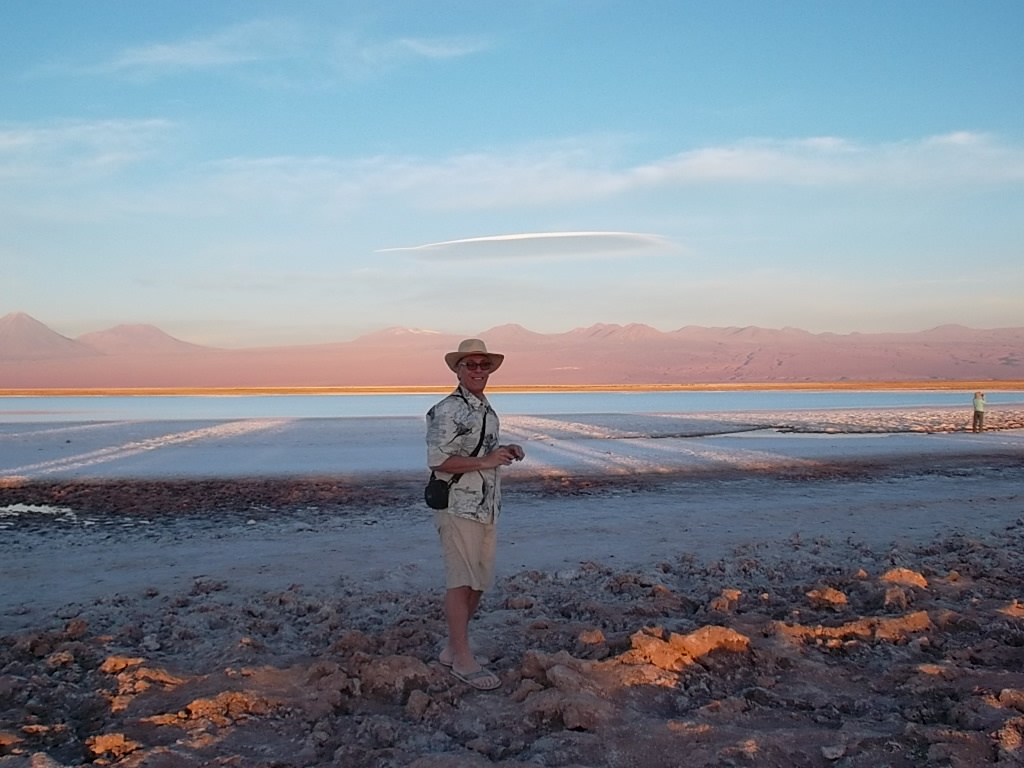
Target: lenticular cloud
x=540, y=245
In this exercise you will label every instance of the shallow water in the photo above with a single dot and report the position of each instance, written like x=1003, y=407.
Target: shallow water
x=18, y=409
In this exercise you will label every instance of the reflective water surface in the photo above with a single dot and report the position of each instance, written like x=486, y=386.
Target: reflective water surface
x=192, y=407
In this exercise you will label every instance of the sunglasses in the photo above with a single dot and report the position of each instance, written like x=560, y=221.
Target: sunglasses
x=472, y=365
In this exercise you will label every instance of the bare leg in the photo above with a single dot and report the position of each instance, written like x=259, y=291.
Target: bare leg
x=460, y=605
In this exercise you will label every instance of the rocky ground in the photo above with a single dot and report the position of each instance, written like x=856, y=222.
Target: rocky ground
x=818, y=653
x=806, y=651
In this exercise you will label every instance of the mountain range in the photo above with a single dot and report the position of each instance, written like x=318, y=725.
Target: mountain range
x=32, y=356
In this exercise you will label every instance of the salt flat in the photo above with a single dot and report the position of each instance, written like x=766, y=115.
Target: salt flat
x=254, y=563
x=591, y=444
x=610, y=488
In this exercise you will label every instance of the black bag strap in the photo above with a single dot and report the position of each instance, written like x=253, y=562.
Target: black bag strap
x=479, y=443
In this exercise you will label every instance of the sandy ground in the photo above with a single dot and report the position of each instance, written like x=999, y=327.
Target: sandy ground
x=729, y=592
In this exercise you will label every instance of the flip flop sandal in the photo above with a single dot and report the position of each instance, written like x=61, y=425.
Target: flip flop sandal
x=448, y=665
x=483, y=679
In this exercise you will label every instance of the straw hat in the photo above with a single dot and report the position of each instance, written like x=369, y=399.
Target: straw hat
x=472, y=347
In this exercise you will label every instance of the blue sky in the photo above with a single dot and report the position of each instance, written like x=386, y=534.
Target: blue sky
x=243, y=173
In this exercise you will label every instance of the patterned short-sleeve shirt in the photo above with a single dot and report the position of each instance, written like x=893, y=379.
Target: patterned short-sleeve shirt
x=453, y=429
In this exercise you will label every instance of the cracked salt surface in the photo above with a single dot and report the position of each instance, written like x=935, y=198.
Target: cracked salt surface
x=615, y=444
x=15, y=511
x=21, y=516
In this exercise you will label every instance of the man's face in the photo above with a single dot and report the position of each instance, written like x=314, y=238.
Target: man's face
x=473, y=371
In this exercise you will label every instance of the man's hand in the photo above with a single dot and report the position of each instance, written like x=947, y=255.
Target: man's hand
x=504, y=455
x=501, y=456
x=514, y=451
x=518, y=453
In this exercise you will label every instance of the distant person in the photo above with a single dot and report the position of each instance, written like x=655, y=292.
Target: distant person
x=978, y=424
x=463, y=447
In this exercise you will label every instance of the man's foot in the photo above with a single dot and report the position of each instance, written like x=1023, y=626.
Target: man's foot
x=482, y=679
x=445, y=659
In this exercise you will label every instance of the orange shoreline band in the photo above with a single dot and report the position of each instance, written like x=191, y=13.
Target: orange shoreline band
x=526, y=388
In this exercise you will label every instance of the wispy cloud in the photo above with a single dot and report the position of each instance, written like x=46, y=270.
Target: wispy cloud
x=254, y=41
x=951, y=158
x=282, y=46
x=359, y=57
x=573, y=173
x=67, y=148
x=539, y=245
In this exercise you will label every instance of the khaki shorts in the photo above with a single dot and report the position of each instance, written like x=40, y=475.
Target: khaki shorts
x=469, y=548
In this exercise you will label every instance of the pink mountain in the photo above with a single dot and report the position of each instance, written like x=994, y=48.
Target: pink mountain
x=34, y=357
x=24, y=338
x=136, y=340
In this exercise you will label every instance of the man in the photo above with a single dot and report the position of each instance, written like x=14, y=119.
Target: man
x=462, y=446
x=978, y=423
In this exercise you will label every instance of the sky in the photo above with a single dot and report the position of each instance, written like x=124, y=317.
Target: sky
x=250, y=173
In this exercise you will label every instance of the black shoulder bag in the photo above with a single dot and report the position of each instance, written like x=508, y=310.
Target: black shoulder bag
x=436, y=492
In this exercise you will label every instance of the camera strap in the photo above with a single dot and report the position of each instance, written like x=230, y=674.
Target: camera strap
x=479, y=443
